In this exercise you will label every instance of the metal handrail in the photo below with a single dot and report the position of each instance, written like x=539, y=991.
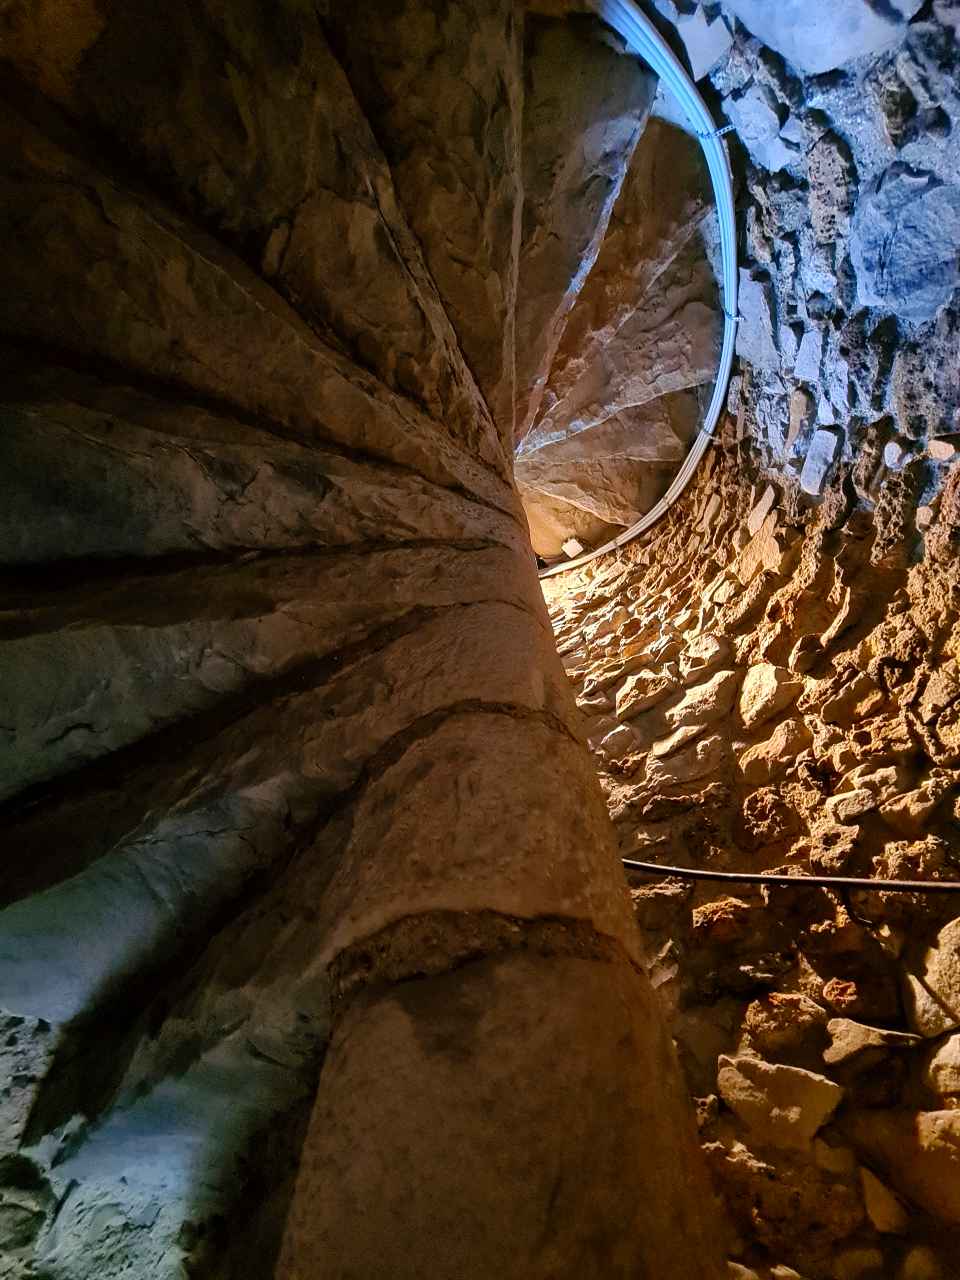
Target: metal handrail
x=642, y=38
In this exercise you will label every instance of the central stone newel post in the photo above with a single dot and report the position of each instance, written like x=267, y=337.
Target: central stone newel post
x=499, y=1097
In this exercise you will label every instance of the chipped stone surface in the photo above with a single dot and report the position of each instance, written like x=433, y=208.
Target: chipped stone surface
x=906, y=238
x=819, y=461
x=782, y=1106
x=851, y=1039
x=826, y=34
x=918, y=1151
x=826, y=783
x=932, y=984
x=766, y=690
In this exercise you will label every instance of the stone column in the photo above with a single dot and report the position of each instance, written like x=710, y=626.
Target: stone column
x=293, y=774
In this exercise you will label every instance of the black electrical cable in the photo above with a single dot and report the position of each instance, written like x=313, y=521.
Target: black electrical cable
x=796, y=882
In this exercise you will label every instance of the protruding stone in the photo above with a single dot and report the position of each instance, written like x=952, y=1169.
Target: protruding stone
x=921, y=1263
x=703, y=757
x=905, y=243
x=849, y=1040
x=706, y=703
x=864, y=1263
x=761, y=510
x=763, y=551
x=883, y=1208
x=819, y=461
x=618, y=743
x=783, y=1106
x=896, y=455
x=770, y=760
x=705, y=42
x=667, y=746
x=736, y=1272
x=848, y=806
x=806, y=367
x=857, y=699
x=819, y=35
x=702, y=655
x=766, y=690
x=941, y=1073
x=642, y=691
x=943, y=450
x=756, y=118
x=918, y=1152
x=755, y=342
x=783, y=1022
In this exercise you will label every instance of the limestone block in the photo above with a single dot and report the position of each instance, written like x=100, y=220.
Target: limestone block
x=642, y=691
x=848, y=806
x=918, y=1152
x=932, y=984
x=763, y=551
x=755, y=115
x=706, y=42
x=706, y=703
x=755, y=341
x=783, y=1106
x=760, y=510
x=905, y=242
x=849, y=1040
x=941, y=1071
x=858, y=1264
x=883, y=1208
x=702, y=758
x=766, y=690
x=826, y=34
x=921, y=1263
x=768, y=761
x=819, y=461
x=703, y=654
x=667, y=746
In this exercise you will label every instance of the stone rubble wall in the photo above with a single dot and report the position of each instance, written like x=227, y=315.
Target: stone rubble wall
x=773, y=685
x=847, y=117
x=770, y=677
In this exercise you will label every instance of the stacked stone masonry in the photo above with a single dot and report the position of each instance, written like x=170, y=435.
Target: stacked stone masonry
x=772, y=686
x=769, y=678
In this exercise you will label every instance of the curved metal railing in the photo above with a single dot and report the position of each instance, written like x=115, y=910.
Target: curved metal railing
x=643, y=39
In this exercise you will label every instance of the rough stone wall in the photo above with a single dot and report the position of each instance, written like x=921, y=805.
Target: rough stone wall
x=844, y=119
x=772, y=673
x=305, y=865
x=851, y=205
x=773, y=687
